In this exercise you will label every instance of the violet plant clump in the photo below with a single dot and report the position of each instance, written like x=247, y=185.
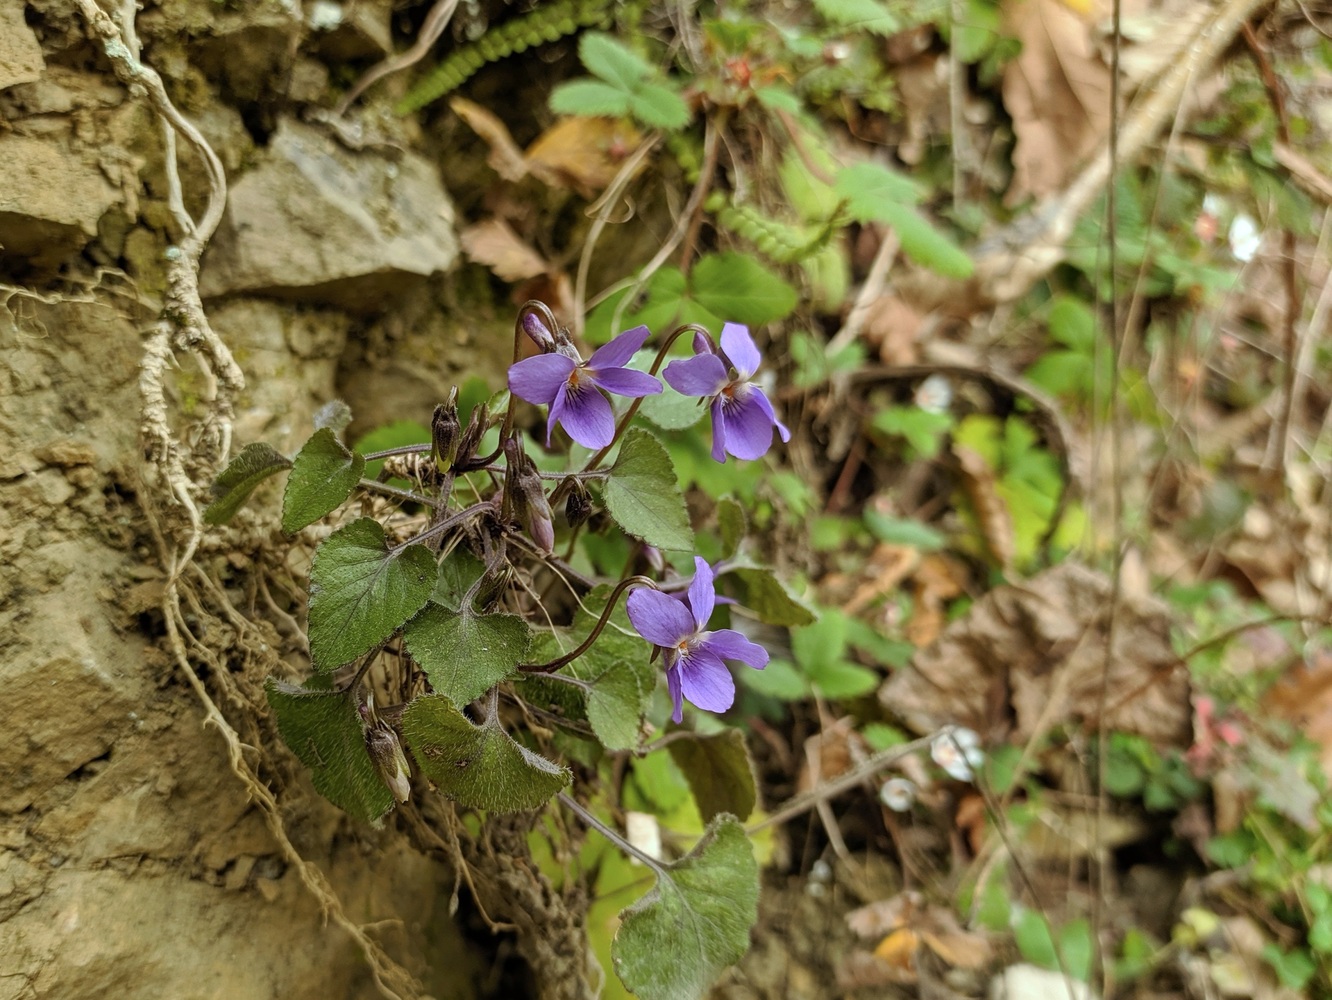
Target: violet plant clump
x=477, y=584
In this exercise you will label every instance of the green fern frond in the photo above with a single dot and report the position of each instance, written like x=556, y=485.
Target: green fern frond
x=781, y=242
x=548, y=22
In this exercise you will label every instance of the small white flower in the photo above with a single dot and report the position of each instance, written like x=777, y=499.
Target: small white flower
x=957, y=750
x=1245, y=237
x=898, y=794
x=935, y=394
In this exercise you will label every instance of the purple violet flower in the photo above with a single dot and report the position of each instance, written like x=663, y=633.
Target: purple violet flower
x=742, y=417
x=694, y=667
x=575, y=389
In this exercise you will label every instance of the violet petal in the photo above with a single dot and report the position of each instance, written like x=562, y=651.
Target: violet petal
x=702, y=593
x=557, y=407
x=538, y=379
x=718, y=430
x=677, y=693
x=617, y=351
x=625, y=382
x=732, y=645
x=739, y=347
x=706, y=681
x=588, y=417
x=748, y=427
x=762, y=400
x=658, y=618
x=701, y=375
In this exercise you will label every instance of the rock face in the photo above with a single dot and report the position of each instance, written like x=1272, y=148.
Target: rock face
x=51, y=198
x=20, y=55
x=132, y=862
x=315, y=222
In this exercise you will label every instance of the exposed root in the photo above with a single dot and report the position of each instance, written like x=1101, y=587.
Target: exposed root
x=177, y=469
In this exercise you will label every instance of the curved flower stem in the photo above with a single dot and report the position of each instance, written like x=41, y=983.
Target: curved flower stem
x=633, y=407
x=586, y=644
x=593, y=823
x=548, y=318
x=438, y=529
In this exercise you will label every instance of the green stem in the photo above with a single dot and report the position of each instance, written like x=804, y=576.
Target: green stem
x=595, y=824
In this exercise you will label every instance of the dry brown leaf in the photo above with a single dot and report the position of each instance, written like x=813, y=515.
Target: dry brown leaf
x=1036, y=652
x=942, y=935
x=1057, y=92
x=992, y=514
x=582, y=153
x=493, y=242
x=898, y=949
x=887, y=566
x=834, y=752
x=892, y=326
x=938, y=580
x=1303, y=697
x=862, y=970
x=506, y=158
x=970, y=819
x=883, y=915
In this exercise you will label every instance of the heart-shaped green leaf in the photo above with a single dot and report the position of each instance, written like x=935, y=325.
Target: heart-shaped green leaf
x=479, y=766
x=321, y=480
x=738, y=287
x=361, y=591
x=325, y=731
x=643, y=495
x=457, y=573
x=252, y=466
x=674, y=942
x=719, y=772
x=465, y=654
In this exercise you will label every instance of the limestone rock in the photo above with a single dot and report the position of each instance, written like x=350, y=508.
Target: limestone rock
x=317, y=223
x=50, y=199
x=20, y=55
x=343, y=32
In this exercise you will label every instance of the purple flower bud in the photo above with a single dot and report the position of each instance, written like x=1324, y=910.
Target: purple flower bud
x=535, y=327
x=528, y=496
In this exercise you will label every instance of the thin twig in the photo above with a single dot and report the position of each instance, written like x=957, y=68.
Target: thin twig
x=803, y=803
x=433, y=26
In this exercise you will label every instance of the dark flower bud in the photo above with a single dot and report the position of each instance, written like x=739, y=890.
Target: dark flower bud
x=492, y=585
x=579, y=505
x=528, y=496
x=445, y=431
x=471, y=436
x=390, y=762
